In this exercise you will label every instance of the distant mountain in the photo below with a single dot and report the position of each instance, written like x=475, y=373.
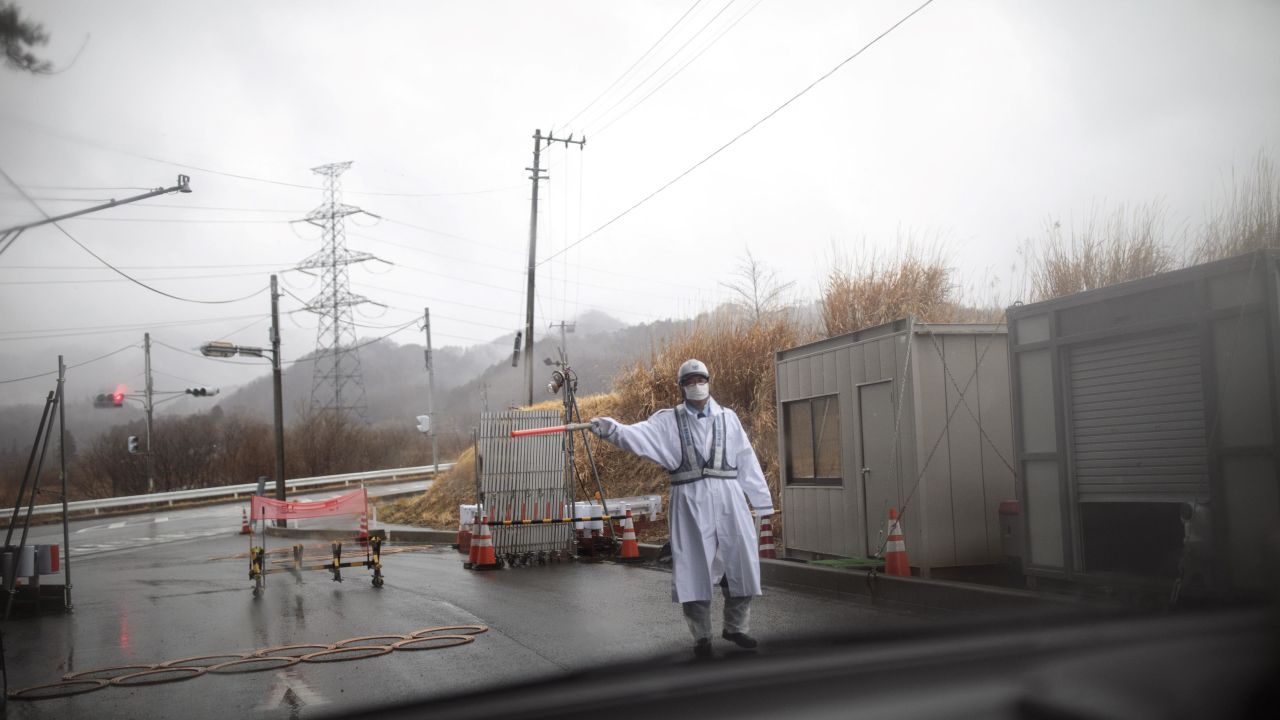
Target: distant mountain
x=394, y=377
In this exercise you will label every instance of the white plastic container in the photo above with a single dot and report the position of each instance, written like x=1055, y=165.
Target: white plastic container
x=467, y=515
x=588, y=509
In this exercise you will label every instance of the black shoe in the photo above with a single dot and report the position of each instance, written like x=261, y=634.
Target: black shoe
x=742, y=640
x=702, y=649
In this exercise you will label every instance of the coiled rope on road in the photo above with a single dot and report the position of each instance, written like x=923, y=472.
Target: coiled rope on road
x=270, y=658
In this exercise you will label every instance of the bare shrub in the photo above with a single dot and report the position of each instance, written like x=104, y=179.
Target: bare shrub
x=875, y=290
x=1113, y=247
x=1248, y=220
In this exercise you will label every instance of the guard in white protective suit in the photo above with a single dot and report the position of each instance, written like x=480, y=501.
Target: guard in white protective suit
x=713, y=538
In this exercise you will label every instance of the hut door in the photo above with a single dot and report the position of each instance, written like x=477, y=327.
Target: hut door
x=879, y=488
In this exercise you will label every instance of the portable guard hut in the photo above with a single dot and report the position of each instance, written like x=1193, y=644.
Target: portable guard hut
x=907, y=414
x=1146, y=426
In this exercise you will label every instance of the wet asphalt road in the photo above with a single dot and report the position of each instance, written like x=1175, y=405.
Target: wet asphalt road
x=183, y=597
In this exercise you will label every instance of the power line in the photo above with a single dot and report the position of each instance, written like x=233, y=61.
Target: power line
x=272, y=266
x=115, y=280
x=86, y=187
x=238, y=176
x=634, y=64
x=737, y=137
x=133, y=326
x=178, y=377
x=664, y=63
x=69, y=367
x=123, y=274
x=669, y=78
x=188, y=221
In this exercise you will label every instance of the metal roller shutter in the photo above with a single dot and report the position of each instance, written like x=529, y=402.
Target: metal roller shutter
x=1137, y=420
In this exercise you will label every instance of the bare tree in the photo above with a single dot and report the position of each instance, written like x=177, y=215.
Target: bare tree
x=757, y=287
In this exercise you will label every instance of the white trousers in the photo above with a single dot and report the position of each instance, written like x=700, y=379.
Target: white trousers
x=737, y=615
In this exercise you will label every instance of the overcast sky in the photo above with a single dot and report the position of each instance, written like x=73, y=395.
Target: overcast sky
x=972, y=122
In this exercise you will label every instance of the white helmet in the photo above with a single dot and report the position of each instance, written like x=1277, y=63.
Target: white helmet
x=692, y=367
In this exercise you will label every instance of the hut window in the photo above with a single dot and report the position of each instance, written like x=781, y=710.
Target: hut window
x=812, y=429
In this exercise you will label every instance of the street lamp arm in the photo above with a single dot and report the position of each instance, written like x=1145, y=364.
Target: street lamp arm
x=183, y=186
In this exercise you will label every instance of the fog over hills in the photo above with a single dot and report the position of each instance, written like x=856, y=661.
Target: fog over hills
x=395, y=381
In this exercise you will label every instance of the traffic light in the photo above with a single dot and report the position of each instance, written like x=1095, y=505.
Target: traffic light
x=109, y=400
x=198, y=392
x=133, y=444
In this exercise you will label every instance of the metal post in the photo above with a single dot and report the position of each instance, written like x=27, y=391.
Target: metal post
x=431, y=391
x=151, y=483
x=277, y=389
x=62, y=451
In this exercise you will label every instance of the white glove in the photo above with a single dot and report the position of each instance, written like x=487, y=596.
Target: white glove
x=764, y=512
x=602, y=427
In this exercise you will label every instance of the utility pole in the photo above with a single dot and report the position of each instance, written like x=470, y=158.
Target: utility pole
x=148, y=406
x=484, y=396
x=277, y=387
x=431, y=391
x=564, y=343
x=539, y=141
x=62, y=452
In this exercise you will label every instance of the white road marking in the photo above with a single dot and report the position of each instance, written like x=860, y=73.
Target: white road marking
x=113, y=526
x=163, y=519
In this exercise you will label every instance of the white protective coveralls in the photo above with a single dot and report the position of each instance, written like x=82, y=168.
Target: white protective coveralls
x=712, y=533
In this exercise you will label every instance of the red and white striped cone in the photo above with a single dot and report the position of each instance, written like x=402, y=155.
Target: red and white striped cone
x=483, y=545
x=630, y=549
x=364, y=528
x=245, y=528
x=895, y=550
x=767, y=550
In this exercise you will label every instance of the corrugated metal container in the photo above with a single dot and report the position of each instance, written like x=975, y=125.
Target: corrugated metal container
x=1146, y=424
x=910, y=415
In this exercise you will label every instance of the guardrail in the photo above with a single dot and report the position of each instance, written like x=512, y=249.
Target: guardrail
x=230, y=492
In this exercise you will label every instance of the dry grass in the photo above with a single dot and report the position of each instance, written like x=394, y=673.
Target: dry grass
x=1110, y=248
x=873, y=291
x=1249, y=219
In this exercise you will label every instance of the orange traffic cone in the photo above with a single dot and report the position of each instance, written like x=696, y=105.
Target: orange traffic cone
x=630, y=549
x=244, y=522
x=895, y=551
x=482, y=543
x=766, y=539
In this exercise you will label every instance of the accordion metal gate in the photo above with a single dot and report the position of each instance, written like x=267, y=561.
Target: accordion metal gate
x=524, y=479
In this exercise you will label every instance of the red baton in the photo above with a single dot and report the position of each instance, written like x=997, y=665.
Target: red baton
x=549, y=430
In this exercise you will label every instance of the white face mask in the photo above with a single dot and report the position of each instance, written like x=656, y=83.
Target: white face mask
x=698, y=392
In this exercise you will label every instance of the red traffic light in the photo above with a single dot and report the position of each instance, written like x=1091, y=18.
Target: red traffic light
x=117, y=398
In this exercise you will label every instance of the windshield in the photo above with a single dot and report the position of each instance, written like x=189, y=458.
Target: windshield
x=365, y=355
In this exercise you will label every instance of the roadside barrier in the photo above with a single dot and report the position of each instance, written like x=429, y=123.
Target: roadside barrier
x=261, y=660
x=372, y=560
